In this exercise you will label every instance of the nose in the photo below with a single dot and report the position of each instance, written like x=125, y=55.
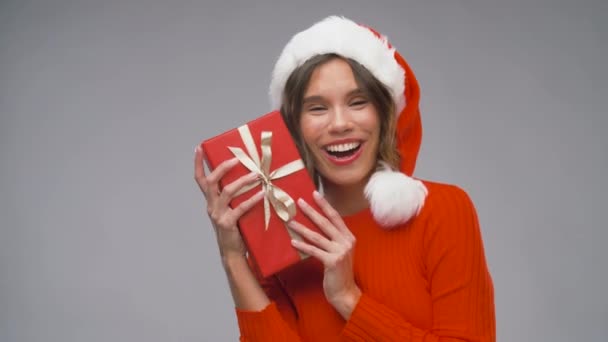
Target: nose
x=340, y=121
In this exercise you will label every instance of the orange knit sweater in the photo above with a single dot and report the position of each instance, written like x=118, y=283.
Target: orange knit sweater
x=424, y=281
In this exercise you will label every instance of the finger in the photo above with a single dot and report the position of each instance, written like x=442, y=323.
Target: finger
x=312, y=236
x=231, y=189
x=199, y=169
x=332, y=214
x=323, y=223
x=247, y=205
x=311, y=250
x=214, y=177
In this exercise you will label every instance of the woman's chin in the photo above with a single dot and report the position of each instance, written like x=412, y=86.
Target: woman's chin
x=345, y=179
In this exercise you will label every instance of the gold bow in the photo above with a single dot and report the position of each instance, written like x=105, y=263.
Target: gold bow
x=282, y=203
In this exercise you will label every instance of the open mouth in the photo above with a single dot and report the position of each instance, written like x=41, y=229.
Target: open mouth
x=343, y=151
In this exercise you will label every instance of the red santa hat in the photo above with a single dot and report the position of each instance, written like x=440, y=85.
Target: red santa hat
x=394, y=196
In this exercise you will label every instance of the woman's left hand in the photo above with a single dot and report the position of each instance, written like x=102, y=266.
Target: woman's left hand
x=335, y=251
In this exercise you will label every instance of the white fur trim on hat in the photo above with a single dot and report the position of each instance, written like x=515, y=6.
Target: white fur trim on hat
x=345, y=38
x=394, y=197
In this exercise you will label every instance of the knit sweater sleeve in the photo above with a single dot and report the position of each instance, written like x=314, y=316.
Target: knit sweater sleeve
x=276, y=322
x=460, y=285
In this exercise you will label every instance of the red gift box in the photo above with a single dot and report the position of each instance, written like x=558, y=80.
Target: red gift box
x=263, y=228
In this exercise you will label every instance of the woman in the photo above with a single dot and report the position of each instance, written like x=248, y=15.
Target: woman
x=401, y=259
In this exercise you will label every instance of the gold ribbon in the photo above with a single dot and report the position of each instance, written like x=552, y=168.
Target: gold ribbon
x=280, y=200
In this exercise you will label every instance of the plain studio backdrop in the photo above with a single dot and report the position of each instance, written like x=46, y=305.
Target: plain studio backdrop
x=103, y=235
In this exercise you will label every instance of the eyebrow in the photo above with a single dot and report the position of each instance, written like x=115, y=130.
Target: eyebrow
x=315, y=98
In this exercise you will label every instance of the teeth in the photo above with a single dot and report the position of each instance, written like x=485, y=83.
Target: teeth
x=342, y=147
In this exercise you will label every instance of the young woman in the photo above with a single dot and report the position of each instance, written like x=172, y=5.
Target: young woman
x=402, y=259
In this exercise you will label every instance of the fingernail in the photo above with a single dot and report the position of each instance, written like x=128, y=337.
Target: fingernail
x=317, y=195
x=252, y=176
x=301, y=202
x=197, y=148
x=294, y=242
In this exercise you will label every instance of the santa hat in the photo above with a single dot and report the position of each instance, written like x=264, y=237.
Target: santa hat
x=394, y=195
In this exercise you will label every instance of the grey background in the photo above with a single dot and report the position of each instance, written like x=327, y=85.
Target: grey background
x=102, y=231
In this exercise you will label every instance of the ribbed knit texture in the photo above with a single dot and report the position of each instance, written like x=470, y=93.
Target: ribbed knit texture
x=425, y=281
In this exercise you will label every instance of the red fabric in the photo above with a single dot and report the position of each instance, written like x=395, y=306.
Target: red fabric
x=424, y=281
x=409, y=123
x=271, y=249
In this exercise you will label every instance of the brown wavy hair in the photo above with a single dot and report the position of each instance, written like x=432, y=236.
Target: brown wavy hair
x=376, y=92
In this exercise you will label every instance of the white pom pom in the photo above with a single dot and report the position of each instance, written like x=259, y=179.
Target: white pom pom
x=394, y=197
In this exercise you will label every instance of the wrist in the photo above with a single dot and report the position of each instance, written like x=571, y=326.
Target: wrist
x=230, y=261
x=244, y=286
x=346, y=303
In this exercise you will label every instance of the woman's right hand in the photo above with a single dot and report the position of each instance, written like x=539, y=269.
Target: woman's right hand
x=223, y=218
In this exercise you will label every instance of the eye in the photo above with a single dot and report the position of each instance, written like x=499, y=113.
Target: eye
x=316, y=109
x=359, y=102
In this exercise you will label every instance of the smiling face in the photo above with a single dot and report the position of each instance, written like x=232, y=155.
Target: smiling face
x=340, y=126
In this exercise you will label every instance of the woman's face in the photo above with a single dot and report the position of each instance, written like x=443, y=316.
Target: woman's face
x=339, y=125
